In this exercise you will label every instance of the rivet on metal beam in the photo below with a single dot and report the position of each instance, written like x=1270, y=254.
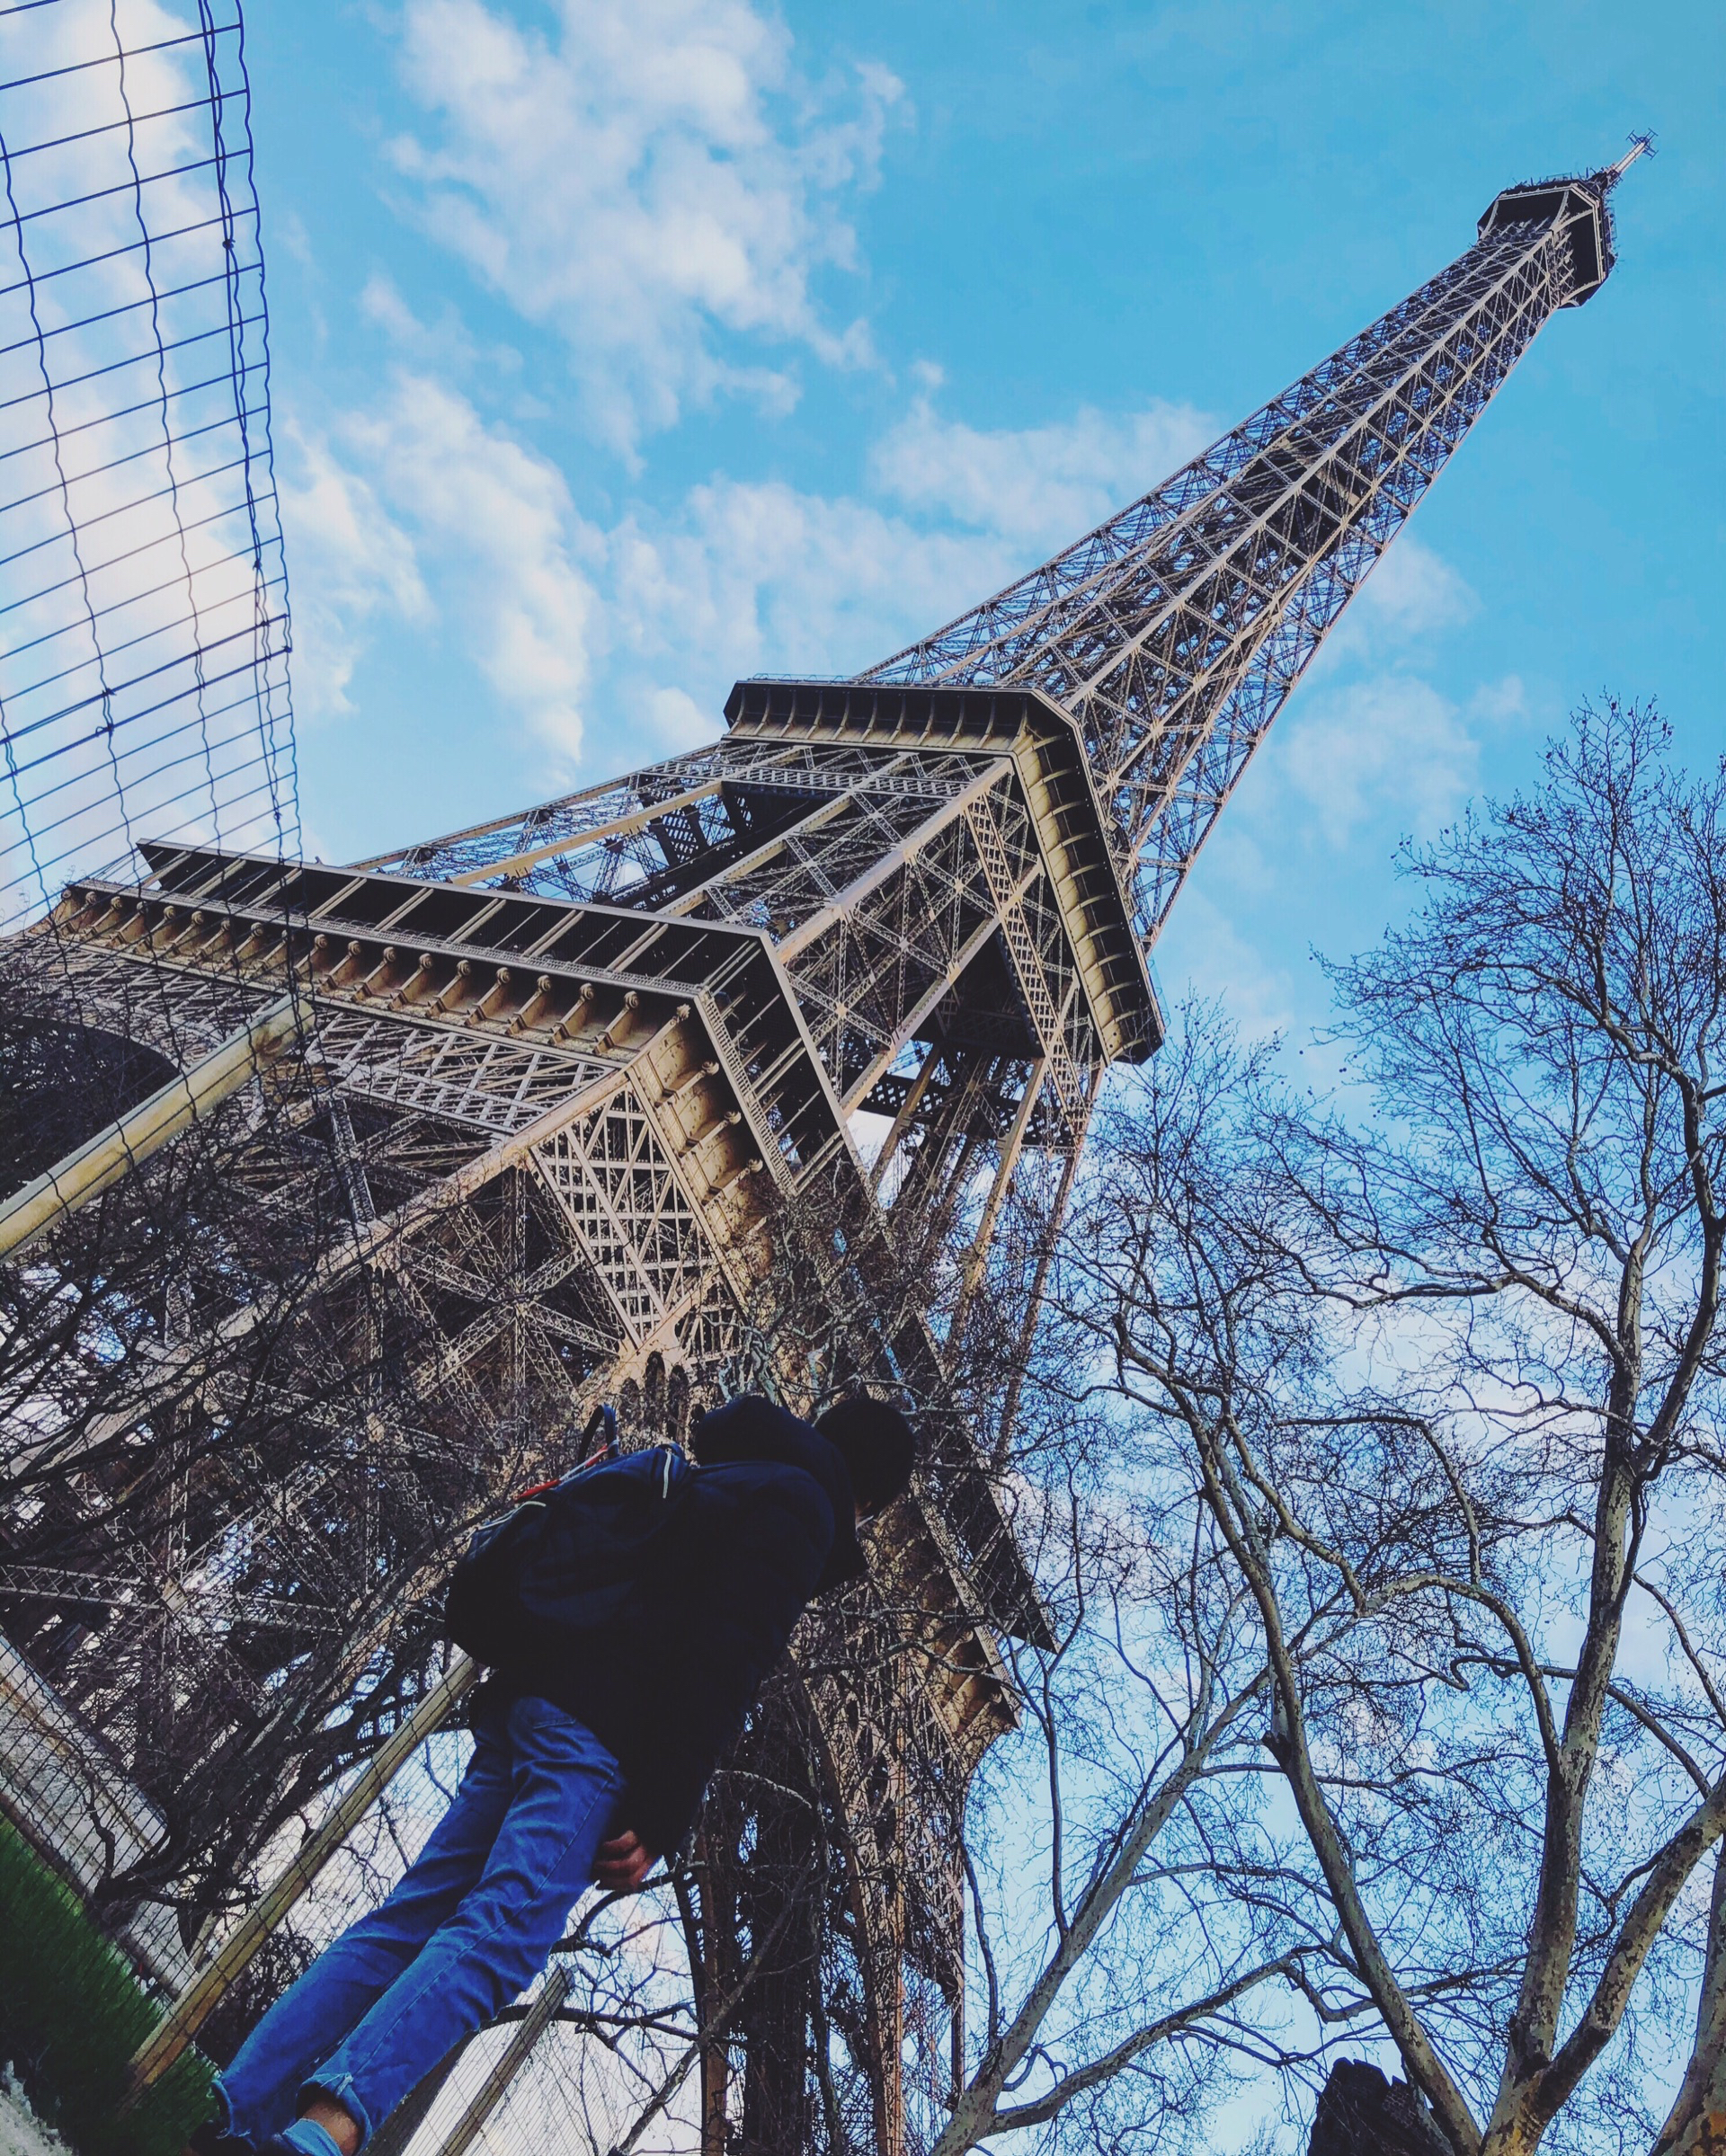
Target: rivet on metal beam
x=369, y=986
x=687, y=1084
x=493, y=999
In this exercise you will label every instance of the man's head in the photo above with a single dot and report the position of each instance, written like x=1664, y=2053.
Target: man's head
x=874, y=1441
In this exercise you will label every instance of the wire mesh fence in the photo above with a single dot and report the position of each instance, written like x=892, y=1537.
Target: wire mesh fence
x=145, y=616
x=143, y=700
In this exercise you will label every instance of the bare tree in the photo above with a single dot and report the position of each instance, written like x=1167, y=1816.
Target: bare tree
x=234, y=1457
x=1447, y=1358
x=1133, y=1944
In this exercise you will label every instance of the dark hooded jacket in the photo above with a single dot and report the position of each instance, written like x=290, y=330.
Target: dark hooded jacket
x=765, y=1523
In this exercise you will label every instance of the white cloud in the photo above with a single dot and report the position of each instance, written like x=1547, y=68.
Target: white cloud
x=678, y=721
x=1202, y=951
x=350, y=560
x=498, y=518
x=645, y=179
x=1369, y=739
x=1039, y=487
x=1412, y=592
x=756, y=576
x=1501, y=703
x=414, y=509
x=417, y=508
x=1392, y=746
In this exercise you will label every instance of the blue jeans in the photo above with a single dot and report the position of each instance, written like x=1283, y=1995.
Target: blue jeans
x=471, y=1925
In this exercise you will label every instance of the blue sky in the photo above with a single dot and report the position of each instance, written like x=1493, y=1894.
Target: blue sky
x=620, y=349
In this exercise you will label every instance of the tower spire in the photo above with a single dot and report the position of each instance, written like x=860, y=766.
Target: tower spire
x=1173, y=633
x=1642, y=144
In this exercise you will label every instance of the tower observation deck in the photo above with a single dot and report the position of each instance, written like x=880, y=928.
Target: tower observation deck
x=731, y=1069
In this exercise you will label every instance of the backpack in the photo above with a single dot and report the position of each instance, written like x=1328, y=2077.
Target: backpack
x=562, y=1562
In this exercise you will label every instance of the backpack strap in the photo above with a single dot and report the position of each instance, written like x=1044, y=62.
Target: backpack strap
x=599, y=1443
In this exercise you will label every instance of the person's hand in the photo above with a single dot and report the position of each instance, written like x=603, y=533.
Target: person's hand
x=624, y=1862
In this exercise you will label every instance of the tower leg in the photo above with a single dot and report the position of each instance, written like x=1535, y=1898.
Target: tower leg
x=780, y=1888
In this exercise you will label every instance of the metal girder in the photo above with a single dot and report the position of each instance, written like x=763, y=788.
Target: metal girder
x=1055, y=784
x=640, y=1231
x=857, y=890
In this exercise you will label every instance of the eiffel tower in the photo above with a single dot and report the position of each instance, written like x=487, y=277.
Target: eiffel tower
x=731, y=1070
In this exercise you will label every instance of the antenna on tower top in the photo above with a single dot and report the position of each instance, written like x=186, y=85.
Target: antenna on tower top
x=1642, y=144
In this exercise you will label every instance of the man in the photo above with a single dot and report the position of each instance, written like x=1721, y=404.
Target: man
x=587, y=1767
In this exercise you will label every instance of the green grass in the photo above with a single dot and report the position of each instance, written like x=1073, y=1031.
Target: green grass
x=72, y=2014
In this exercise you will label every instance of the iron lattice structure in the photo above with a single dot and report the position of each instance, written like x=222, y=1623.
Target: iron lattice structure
x=745, y=1066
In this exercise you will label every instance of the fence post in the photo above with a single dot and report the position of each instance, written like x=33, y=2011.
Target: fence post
x=395, y=2135
x=207, y=1988
x=89, y=1170
x=486, y=2098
